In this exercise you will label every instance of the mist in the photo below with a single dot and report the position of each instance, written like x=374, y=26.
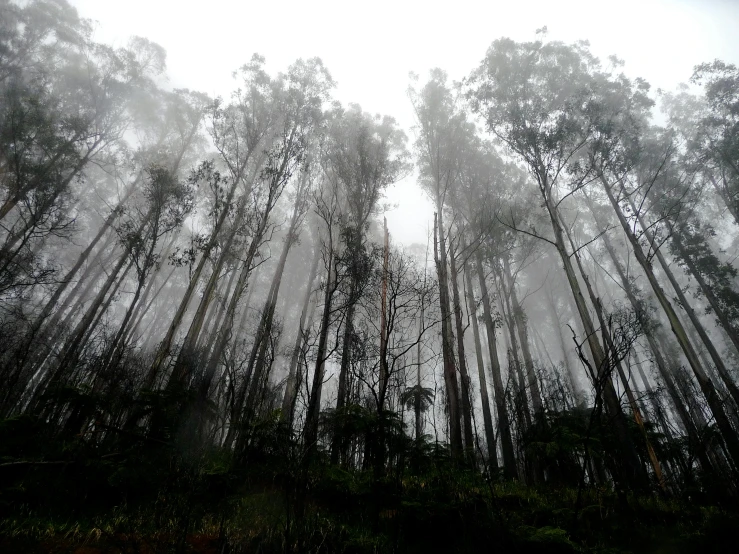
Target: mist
x=310, y=278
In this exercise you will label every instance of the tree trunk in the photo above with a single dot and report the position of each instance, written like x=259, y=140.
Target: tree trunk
x=706, y=385
x=697, y=325
x=577, y=392
x=254, y=374
x=293, y=381
x=514, y=362
x=166, y=344
x=523, y=332
x=450, y=365
x=504, y=425
x=417, y=399
x=185, y=359
x=384, y=370
x=639, y=307
x=466, y=393
x=486, y=415
x=612, y=404
x=71, y=347
x=314, y=400
x=713, y=301
x=144, y=308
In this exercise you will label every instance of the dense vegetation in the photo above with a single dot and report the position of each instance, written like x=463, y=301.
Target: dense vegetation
x=210, y=343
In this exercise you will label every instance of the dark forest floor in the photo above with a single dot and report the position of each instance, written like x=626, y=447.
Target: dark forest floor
x=347, y=512
x=65, y=495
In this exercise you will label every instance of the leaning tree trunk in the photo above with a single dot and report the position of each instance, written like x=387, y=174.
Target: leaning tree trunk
x=182, y=366
x=697, y=325
x=259, y=372
x=114, y=352
x=256, y=369
x=639, y=308
x=50, y=332
x=81, y=259
x=611, y=401
x=706, y=385
x=730, y=204
x=707, y=291
x=144, y=308
x=216, y=313
x=608, y=339
x=225, y=332
x=73, y=344
x=166, y=344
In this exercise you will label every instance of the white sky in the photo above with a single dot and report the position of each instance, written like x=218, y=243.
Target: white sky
x=370, y=47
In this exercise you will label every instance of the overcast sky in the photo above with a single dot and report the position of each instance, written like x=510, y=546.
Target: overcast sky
x=370, y=47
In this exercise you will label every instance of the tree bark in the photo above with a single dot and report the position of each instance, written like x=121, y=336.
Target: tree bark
x=293, y=380
x=504, y=425
x=706, y=385
x=485, y=399
x=166, y=344
x=707, y=291
x=465, y=378
x=450, y=365
x=314, y=400
x=523, y=332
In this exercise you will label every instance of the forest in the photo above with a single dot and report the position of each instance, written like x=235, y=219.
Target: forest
x=210, y=342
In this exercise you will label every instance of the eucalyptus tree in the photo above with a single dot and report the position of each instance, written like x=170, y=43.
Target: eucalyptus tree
x=494, y=193
x=717, y=132
x=57, y=124
x=34, y=33
x=238, y=131
x=471, y=199
x=41, y=42
x=299, y=104
x=641, y=304
x=537, y=98
x=168, y=202
x=164, y=142
x=362, y=156
x=71, y=108
x=664, y=202
x=165, y=204
x=479, y=194
x=704, y=380
x=259, y=153
x=440, y=126
x=328, y=208
x=715, y=277
x=618, y=153
x=66, y=104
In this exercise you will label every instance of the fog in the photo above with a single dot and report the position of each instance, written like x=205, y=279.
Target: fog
x=371, y=51
x=365, y=267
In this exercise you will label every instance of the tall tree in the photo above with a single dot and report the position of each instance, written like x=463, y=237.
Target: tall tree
x=536, y=97
x=440, y=126
x=363, y=155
